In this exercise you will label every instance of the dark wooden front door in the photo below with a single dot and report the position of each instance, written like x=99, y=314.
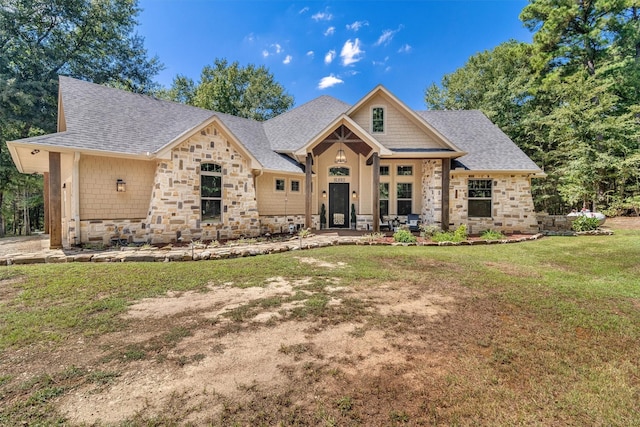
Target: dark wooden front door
x=339, y=205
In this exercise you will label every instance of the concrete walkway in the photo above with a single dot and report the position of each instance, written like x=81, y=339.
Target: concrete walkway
x=35, y=249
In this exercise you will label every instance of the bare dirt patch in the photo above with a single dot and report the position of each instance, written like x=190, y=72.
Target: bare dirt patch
x=236, y=344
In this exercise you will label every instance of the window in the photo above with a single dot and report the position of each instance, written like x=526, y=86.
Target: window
x=405, y=170
x=404, y=193
x=480, y=198
x=339, y=171
x=377, y=120
x=211, y=192
x=280, y=184
x=384, y=170
x=384, y=199
x=295, y=186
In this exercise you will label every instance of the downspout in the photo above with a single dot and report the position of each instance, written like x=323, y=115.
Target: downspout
x=75, y=198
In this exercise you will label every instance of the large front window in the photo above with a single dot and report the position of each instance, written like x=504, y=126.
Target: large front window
x=211, y=192
x=404, y=198
x=479, y=198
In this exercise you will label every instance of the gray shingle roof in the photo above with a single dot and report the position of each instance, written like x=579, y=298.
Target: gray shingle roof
x=295, y=128
x=111, y=120
x=489, y=148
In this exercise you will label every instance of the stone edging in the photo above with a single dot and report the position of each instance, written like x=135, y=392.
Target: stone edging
x=194, y=254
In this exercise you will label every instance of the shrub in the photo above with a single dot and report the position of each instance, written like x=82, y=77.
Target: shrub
x=459, y=235
x=404, y=236
x=492, y=235
x=585, y=223
x=429, y=230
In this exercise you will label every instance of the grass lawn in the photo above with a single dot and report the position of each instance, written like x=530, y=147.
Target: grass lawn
x=539, y=333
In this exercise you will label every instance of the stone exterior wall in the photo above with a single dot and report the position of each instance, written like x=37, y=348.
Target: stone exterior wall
x=275, y=224
x=106, y=232
x=558, y=223
x=432, y=192
x=174, y=211
x=512, y=207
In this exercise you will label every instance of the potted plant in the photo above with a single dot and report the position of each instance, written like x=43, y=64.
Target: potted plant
x=323, y=217
x=353, y=216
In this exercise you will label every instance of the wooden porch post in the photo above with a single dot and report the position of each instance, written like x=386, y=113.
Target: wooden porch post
x=46, y=202
x=446, y=178
x=55, y=202
x=376, y=192
x=308, y=184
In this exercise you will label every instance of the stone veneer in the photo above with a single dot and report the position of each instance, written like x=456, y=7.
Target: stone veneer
x=275, y=224
x=174, y=211
x=512, y=209
x=432, y=192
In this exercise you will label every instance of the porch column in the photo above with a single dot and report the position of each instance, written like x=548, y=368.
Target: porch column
x=376, y=192
x=308, y=183
x=55, y=201
x=446, y=178
x=46, y=202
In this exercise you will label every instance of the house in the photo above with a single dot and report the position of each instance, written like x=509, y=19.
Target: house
x=129, y=166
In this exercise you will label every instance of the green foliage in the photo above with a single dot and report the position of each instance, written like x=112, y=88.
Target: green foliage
x=323, y=216
x=492, y=235
x=458, y=235
x=404, y=236
x=427, y=230
x=249, y=91
x=570, y=99
x=585, y=223
x=41, y=39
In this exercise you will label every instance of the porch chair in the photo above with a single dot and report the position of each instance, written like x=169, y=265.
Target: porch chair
x=413, y=221
x=384, y=223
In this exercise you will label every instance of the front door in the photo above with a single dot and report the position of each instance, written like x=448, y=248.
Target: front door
x=339, y=205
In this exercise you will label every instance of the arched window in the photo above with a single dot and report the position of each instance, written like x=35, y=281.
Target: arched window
x=211, y=192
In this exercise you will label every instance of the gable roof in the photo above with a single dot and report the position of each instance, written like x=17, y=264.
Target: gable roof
x=100, y=119
x=295, y=128
x=487, y=146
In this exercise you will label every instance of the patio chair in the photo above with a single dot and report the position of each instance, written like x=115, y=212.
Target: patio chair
x=413, y=221
x=384, y=223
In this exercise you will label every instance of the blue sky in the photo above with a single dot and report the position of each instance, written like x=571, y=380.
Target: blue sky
x=338, y=48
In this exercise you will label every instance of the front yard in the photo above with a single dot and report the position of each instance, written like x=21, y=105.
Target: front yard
x=544, y=332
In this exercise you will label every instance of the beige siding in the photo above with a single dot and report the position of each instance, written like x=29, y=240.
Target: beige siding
x=400, y=130
x=393, y=179
x=287, y=202
x=98, y=196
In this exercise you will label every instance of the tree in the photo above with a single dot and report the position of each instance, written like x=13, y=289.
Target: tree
x=40, y=39
x=250, y=92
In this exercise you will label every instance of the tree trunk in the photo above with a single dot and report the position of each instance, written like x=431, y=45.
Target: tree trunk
x=2, y=222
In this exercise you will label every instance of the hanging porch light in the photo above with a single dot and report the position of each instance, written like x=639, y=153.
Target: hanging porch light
x=341, y=157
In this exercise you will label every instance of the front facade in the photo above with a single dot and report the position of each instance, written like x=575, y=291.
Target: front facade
x=133, y=168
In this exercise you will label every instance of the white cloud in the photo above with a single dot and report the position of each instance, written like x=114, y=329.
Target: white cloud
x=265, y=53
x=311, y=54
x=405, y=49
x=386, y=36
x=329, y=81
x=351, y=52
x=304, y=10
x=287, y=59
x=330, y=31
x=329, y=57
x=322, y=16
x=357, y=25
x=277, y=48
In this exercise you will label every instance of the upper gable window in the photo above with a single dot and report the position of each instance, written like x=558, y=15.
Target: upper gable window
x=377, y=120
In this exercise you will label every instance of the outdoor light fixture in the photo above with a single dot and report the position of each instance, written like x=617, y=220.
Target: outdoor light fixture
x=121, y=186
x=354, y=194
x=340, y=156
x=324, y=194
